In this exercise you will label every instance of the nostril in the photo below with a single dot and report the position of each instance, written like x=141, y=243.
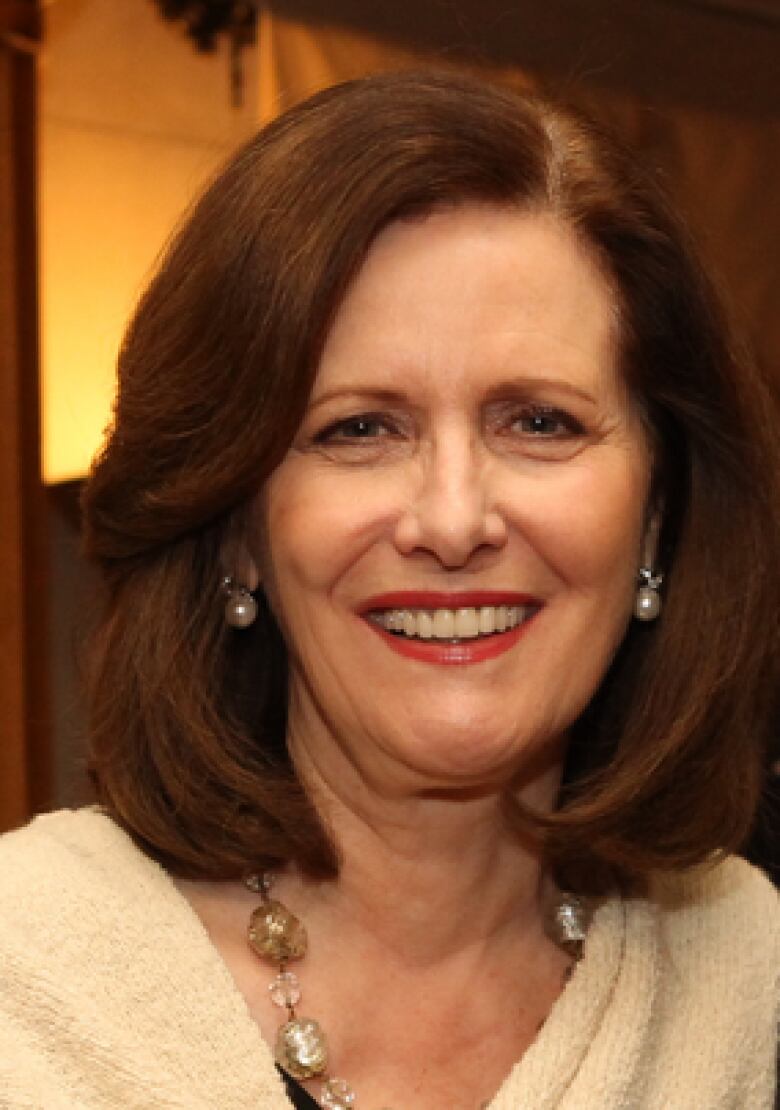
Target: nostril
x=453, y=535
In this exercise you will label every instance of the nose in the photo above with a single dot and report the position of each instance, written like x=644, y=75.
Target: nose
x=452, y=510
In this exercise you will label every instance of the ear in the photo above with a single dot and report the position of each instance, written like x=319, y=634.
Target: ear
x=651, y=538
x=246, y=571
x=237, y=559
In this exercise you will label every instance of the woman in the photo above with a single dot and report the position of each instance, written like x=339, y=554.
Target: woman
x=438, y=528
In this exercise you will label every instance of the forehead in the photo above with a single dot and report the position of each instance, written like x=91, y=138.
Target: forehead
x=472, y=290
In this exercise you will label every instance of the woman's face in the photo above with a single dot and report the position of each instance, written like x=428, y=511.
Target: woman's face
x=469, y=459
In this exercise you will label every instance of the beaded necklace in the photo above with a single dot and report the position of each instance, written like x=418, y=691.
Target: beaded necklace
x=301, y=1049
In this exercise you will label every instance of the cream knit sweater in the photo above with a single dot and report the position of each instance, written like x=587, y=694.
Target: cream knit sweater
x=111, y=994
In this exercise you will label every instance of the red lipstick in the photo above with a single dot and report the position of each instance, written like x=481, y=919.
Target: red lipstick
x=444, y=652
x=437, y=599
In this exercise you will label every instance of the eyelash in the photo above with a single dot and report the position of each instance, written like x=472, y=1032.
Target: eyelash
x=335, y=432
x=568, y=425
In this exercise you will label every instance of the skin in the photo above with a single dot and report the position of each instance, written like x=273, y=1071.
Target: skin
x=468, y=430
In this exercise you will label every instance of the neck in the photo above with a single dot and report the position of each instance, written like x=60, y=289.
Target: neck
x=426, y=875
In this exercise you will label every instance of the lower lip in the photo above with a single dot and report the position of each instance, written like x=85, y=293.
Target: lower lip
x=465, y=651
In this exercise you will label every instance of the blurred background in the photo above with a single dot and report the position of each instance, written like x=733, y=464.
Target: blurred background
x=114, y=113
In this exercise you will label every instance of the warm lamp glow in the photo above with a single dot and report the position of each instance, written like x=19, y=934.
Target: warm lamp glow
x=133, y=121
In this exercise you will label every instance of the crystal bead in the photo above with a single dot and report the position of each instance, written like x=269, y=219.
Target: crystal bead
x=301, y=1048
x=568, y=923
x=275, y=933
x=337, y=1094
x=259, y=884
x=285, y=990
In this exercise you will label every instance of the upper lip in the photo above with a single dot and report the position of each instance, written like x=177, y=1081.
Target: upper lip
x=438, y=599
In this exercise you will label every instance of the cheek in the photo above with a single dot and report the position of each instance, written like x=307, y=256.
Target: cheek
x=586, y=524
x=311, y=531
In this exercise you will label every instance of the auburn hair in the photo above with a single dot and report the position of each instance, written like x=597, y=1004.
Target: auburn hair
x=187, y=717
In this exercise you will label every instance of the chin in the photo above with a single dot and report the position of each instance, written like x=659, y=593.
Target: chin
x=455, y=754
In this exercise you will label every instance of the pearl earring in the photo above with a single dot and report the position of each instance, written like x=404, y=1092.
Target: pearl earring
x=647, y=604
x=240, y=606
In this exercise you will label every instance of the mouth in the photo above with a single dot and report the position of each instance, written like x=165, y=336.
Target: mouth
x=452, y=625
x=451, y=628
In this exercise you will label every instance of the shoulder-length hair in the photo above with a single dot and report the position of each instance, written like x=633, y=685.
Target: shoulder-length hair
x=187, y=719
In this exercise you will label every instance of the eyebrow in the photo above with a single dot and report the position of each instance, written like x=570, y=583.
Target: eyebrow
x=512, y=387
x=381, y=396
x=506, y=390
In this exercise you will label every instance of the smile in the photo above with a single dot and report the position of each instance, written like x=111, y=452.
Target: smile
x=452, y=625
x=447, y=628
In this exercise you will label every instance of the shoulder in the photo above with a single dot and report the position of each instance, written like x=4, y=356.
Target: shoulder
x=718, y=960
x=729, y=908
x=111, y=993
x=76, y=832
x=69, y=851
x=73, y=882
x=699, y=968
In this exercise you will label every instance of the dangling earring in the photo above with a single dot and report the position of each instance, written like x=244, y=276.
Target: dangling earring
x=240, y=606
x=647, y=604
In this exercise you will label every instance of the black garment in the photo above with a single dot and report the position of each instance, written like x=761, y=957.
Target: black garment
x=298, y=1096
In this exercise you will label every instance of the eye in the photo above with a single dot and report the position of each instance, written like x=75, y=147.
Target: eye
x=361, y=428
x=362, y=438
x=537, y=430
x=546, y=422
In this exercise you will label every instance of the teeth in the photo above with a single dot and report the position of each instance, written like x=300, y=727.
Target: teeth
x=466, y=624
x=452, y=624
x=487, y=619
x=444, y=624
x=424, y=626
